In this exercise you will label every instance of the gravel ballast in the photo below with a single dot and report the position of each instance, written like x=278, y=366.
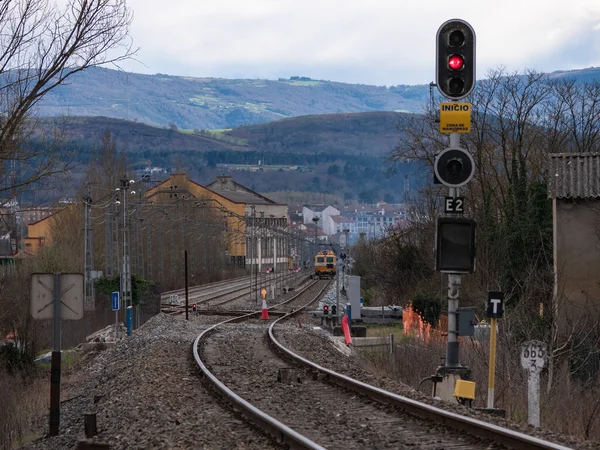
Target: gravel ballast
x=149, y=395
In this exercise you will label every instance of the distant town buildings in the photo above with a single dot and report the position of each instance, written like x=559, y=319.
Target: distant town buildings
x=372, y=220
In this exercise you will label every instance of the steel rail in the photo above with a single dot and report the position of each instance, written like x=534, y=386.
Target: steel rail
x=180, y=309
x=206, y=285
x=505, y=436
x=277, y=429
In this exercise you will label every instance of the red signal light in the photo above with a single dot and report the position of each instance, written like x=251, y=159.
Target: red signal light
x=325, y=309
x=194, y=307
x=456, y=62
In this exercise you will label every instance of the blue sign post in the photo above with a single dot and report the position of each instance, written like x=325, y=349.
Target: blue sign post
x=115, y=301
x=115, y=307
x=129, y=319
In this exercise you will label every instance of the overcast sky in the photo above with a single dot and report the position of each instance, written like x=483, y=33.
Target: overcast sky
x=383, y=42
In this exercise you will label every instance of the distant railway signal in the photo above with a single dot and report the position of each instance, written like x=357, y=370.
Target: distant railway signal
x=454, y=166
x=455, y=59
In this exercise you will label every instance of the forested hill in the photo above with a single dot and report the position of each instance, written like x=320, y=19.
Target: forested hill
x=360, y=133
x=372, y=134
x=340, y=153
x=215, y=103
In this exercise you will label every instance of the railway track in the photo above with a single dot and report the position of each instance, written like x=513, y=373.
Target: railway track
x=318, y=408
x=213, y=295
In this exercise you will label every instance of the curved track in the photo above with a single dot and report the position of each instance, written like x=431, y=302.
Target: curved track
x=307, y=414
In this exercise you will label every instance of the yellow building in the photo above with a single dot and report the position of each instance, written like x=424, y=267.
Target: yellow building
x=179, y=186
x=38, y=234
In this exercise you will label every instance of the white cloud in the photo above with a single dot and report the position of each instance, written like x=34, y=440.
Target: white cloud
x=379, y=42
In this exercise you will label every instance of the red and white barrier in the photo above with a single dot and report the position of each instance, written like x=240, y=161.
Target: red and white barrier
x=346, y=330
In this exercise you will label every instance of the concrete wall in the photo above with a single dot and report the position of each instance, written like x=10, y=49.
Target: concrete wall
x=577, y=262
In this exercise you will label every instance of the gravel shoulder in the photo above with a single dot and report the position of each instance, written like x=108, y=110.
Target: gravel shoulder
x=149, y=395
x=146, y=392
x=315, y=344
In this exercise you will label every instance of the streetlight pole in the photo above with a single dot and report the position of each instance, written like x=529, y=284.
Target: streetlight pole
x=88, y=260
x=126, y=270
x=346, y=232
x=316, y=220
x=252, y=253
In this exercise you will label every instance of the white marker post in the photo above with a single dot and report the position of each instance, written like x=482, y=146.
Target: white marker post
x=495, y=310
x=533, y=359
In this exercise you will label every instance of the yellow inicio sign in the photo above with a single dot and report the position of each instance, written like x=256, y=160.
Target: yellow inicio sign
x=455, y=117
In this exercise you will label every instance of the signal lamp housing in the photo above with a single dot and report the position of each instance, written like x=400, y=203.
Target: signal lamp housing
x=455, y=59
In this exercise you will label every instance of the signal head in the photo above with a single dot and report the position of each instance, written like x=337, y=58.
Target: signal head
x=333, y=310
x=325, y=309
x=194, y=307
x=455, y=59
x=454, y=167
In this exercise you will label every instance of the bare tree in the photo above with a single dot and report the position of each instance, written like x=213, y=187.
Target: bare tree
x=573, y=117
x=41, y=46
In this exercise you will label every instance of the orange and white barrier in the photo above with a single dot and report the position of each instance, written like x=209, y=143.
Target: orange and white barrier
x=264, y=313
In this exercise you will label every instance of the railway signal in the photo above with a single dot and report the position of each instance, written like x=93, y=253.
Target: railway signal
x=455, y=245
x=333, y=310
x=454, y=167
x=455, y=59
x=325, y=310
x=194, y=307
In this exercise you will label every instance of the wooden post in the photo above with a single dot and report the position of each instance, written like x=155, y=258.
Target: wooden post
x=89, y=424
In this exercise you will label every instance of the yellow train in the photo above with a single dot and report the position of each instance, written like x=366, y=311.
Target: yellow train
x=325, y=264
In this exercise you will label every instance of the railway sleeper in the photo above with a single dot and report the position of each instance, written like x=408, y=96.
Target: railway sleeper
x=288, y=375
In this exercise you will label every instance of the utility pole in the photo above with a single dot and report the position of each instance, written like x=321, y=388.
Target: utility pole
x=88, y=259
x=316, y=220
x=252, y=255
x=260, y=244
x=346, y=233
x=126, y=291
x=108, y=242
x=337, y=288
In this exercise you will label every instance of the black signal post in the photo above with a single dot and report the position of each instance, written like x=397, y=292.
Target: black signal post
x=454, y=167
x=455, y=59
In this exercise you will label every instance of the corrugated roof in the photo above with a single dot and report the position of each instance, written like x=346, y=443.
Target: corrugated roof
x=225, y=186
x=574, y=175
x=243, y=197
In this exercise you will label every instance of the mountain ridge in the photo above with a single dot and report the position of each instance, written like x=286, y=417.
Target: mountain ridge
x=197, y=103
